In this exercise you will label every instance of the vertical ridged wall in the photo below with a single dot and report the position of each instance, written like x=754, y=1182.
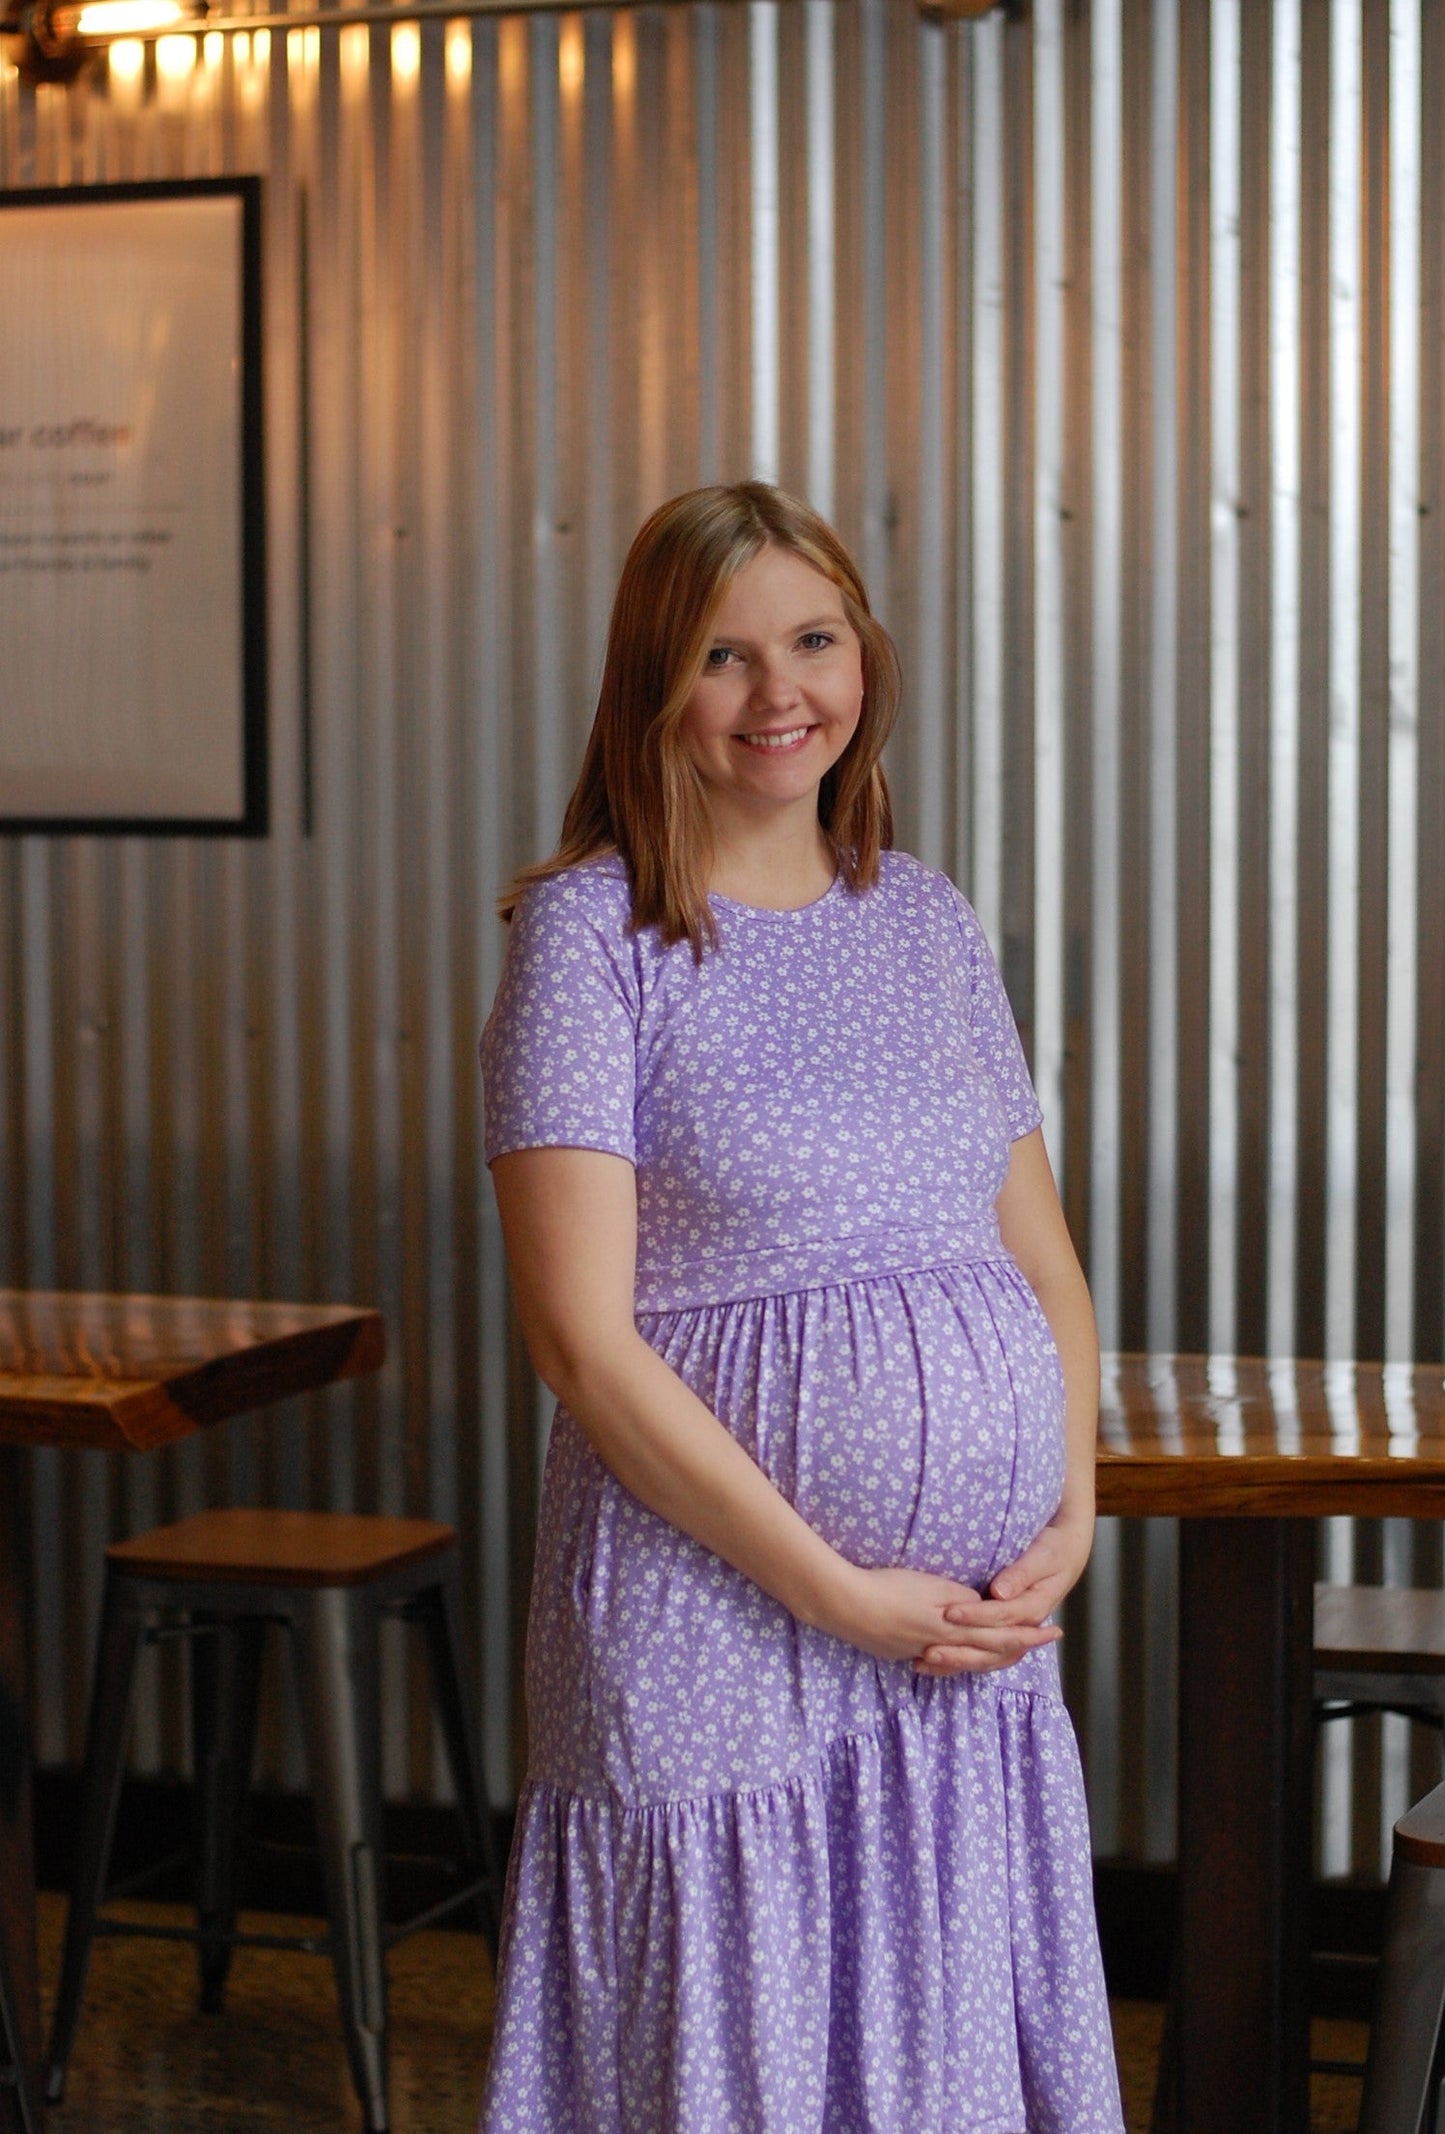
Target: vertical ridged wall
x=1111, y=336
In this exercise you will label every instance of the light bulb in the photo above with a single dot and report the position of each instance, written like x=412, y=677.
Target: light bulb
x=406, y=51
x=175, y=58
x=127, y=60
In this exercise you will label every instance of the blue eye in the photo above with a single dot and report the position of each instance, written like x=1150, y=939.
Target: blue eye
x=718, y=657
x=815, y=640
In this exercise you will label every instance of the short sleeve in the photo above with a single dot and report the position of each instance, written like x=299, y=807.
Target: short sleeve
x=994, y=1030
x=559, y=1051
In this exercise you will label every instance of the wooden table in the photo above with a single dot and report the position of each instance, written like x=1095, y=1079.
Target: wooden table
x=125, y=1374
x=1247, y=1454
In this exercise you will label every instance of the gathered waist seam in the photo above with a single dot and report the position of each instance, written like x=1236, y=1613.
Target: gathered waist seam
x=924, y=1264
x=810, y=1773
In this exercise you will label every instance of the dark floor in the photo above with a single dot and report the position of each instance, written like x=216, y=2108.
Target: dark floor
x=1335, y=2099
x=147, y=2063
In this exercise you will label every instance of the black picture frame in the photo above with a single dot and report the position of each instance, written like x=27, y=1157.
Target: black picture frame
x=247, y=633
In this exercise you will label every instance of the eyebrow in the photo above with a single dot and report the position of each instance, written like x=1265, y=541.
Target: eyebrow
x=797, y=629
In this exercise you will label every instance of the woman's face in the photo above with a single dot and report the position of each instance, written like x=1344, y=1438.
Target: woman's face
x=780, y=691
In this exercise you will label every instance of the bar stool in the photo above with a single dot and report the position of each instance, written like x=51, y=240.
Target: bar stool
x=14, y=2074
x=1380, y=1649
x=1376, y=1649
x=1405, y=2066
x=216, y=1580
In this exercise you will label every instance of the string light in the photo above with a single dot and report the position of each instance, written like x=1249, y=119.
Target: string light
x=355, y=52
x=571, y=59
x=406, y=52
x=175, y=58
x=459, y=54
x=127, y=60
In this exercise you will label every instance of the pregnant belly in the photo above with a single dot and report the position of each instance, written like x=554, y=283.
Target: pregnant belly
x=912, y=1418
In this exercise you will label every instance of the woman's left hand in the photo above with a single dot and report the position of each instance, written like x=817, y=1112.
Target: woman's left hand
x=1032, y=1226
x=1026, y=1592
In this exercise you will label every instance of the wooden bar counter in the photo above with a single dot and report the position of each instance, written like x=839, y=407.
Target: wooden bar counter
x=1247, y=1453
x=126, y=1374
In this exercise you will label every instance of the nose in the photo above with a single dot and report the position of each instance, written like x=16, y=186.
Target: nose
x=774, y=687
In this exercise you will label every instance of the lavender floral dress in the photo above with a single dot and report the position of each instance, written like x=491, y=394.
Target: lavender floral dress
x=763, y=1883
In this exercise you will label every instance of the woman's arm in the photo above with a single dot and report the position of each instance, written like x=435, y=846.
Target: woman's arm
x=569, y=1217
x=1032, y=1225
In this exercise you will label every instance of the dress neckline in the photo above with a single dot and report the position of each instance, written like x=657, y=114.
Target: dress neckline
x=784, y=911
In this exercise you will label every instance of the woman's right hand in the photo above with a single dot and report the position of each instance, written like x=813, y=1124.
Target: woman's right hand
x=898, y=1614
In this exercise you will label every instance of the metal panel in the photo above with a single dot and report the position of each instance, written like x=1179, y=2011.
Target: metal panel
x=1050, y=685
x=1404, y=662
x=1106, y=678
x=1224, y=664
x=985, y=783
x=1163, y=595
x=1109, y=337
x=1343, y=773
x=763, y=96
x=1284, y=676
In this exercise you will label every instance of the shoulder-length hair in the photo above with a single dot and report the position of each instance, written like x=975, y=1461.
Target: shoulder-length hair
x=638, y=794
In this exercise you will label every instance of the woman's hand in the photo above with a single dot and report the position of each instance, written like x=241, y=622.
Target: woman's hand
x=943, y=1627
x=1022, y=1596
x=1050, y=1567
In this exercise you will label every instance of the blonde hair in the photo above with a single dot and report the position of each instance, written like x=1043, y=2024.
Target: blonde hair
x=638, y=793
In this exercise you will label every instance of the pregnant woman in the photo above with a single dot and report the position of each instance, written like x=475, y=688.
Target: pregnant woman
x=803, y=1847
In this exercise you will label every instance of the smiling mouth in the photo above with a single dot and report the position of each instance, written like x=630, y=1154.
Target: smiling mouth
x=777, y=744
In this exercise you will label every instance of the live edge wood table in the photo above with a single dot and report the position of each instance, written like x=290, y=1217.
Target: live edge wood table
x=1247, y=1454
x=126, y=1374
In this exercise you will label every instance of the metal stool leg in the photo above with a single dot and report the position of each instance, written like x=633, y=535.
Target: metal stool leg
x=15, y=2069
x=436, y=1612
x=1164, y=2112
x=336, y=1643
x=14, y=2073
x=225, y=1693
x=115, y=1663
x=1405, y=2068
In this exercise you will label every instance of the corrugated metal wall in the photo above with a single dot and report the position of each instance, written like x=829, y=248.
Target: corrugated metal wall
x=1111, y=336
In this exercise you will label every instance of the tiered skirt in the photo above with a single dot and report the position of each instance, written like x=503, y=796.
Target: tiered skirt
x=763, y=1883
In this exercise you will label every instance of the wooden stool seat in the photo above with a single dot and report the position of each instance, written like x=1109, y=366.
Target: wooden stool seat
x=1388, y=1630
x=1420, y=1832
x=281, y=1548
x=1380, y=1649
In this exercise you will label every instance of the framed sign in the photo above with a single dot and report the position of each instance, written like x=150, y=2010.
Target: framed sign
x=132, y=594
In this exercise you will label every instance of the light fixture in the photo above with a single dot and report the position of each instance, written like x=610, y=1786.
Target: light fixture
x=127, y=18
x=34, y=47
x=52, y=40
